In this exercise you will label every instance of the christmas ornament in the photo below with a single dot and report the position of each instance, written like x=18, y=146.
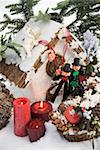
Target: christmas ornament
x=72, y=114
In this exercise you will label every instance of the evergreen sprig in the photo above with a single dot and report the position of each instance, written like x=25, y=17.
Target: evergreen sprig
x=8, y=43
x=87, y=14
x=24, y=7
x=13, y=24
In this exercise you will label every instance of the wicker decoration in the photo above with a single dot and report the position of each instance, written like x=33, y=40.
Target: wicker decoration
x=84, y=130
x=6, y=100
x=13, y=73
x=51, y=67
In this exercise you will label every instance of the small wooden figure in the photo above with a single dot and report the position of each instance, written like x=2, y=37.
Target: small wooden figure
x=62, y=73
x=75, y=86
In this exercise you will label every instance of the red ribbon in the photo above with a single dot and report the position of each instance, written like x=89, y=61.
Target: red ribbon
x=46, y=43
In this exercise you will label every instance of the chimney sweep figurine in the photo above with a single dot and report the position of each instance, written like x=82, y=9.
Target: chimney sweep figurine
x=75, y=86
x=62, y=73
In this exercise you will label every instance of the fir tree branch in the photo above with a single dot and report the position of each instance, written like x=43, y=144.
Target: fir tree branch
x=83, y=9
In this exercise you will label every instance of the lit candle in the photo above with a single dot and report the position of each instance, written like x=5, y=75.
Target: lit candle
x=41, y=109
x=35, y=129
x=41, y=104
x=21, y=116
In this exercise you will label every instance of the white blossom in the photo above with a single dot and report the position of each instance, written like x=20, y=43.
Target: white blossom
x=91, y=42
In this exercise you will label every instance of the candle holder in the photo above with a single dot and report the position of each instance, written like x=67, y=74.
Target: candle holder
x=41, y=109
x=35, y=129
x=21, y=116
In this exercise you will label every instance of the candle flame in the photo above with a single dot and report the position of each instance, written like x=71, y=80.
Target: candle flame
x=21, y=103
x=41, y=104
x=37, y=126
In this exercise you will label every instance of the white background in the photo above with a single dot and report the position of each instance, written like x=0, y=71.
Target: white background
x=52, y=140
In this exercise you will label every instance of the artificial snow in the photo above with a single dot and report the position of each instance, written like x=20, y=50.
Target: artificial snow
x=52, y=140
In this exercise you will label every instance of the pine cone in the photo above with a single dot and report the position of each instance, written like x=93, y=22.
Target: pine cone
x=5, y=105
x=96, y=111
x=62, y=108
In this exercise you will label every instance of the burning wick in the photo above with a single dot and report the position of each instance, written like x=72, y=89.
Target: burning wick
x=21, y=103
x=37, y=126
x=41, y=104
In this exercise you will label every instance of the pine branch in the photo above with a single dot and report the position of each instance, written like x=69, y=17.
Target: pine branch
x=24, y=7
x=56, y=17
x=83, y=9
x=12, y=23
x=7, y=43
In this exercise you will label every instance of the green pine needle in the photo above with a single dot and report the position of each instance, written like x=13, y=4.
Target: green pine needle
x=43, y=16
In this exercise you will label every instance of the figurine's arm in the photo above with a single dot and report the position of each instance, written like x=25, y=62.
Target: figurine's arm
x=56, y=77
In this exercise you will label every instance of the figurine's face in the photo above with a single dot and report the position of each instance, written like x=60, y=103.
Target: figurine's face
x=51, y=56
x=76, y=68
x=66, y=74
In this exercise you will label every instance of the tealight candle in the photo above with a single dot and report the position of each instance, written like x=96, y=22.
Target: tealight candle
x=41, y=109
x=21, y=116
x=35, y=129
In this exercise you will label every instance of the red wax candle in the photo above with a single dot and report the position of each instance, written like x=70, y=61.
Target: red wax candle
x=21, y=116
x=35, y=129
x=41, y=109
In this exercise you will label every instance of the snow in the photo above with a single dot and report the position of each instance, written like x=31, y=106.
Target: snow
x=52, y=140
x=41, y=84
x=50, y=26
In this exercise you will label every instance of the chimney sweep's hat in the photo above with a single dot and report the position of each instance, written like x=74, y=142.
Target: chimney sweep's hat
x=66, y=68
x=76, y=62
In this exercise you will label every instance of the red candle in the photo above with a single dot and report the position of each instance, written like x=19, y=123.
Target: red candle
x=35, y=129
x=41, y=109
x=21, y=116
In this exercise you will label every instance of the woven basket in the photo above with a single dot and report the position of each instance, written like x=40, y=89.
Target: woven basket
x=79, y=137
